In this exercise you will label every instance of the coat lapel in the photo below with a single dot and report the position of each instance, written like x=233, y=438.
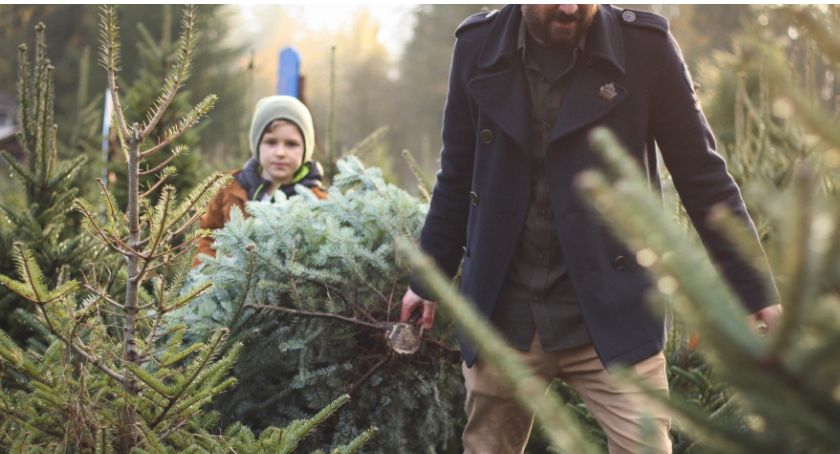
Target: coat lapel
x=590, y=97
x=499, y=88
x=503, y=97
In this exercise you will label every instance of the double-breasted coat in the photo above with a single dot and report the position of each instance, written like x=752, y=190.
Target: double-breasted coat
x=632, y=80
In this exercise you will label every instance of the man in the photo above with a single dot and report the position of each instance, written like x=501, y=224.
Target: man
x=527, y=84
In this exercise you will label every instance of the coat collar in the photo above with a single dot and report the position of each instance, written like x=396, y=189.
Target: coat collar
x=603, y=40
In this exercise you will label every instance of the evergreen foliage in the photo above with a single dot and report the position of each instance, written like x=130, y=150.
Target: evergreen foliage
x=74, y=26
x=157, y=57
x=310, y=287
x=115, y=376
x=45, y=221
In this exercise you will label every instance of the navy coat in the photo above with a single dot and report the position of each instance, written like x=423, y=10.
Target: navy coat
x=481, y=196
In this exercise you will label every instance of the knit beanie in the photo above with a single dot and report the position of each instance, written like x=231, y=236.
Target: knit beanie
x=282, y=108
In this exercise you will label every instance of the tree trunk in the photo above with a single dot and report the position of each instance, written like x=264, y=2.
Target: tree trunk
x=128, y=438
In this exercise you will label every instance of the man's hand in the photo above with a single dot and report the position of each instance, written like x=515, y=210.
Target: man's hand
x=766, y=319
x=411, y=302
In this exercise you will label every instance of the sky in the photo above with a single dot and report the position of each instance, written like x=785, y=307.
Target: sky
x=395, y=19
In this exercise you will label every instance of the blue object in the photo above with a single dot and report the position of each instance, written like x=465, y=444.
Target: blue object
x=288, y=73
x=107, y=111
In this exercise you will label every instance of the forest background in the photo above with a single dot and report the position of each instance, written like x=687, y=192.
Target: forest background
x=386, y=74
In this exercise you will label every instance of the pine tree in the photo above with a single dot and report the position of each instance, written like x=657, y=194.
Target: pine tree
x=116, y=376
x=157, y=57
x=46, y=222
x=311, y=287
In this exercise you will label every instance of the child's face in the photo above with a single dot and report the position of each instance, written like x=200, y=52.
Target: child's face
x=281, y=152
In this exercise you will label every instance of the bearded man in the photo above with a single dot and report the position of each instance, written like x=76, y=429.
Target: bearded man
x=527, y=84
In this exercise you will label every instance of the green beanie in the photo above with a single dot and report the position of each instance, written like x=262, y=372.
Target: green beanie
x=282, y=108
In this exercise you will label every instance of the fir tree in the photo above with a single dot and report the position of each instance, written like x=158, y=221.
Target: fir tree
x=311, y=287
x=116, y=376
x=157, y=57
x=46, y=222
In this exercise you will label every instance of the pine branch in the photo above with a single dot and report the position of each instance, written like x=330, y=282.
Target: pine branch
x=180, y=355
x=560, y=425
x=159, y=220
x=168, y=172
x=300, y=428
x=707, y=304
x=199, y=197
x=81, y=350
x=423, y=184
x=24, y=419
x=17, y=357
x=89, y=222
x=186, y=298
x=25, y=174
x=115, y=217
x=102, y=295
x=214, y=344
x=698, y=279
x=185, y=226
x=67, y=170
x=176, y=78
x=109, y=58
x=31, y=286
x=151, y=439
x=153, y=382
x=368, y=142
x=50, y=128
x=24, y=113
x=302, y=313
x=358, y=443
x=799, y=263
x=40, y=104
x=364, y=378
x=178, y=151
x=820, y=32
x=188, y=121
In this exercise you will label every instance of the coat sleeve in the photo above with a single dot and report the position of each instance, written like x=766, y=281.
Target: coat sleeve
x=700, y=175
x=216, y=216
x=444, y=231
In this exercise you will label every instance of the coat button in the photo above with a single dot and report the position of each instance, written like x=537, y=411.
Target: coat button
x=619, y=262
x=486, y=136
x=474, y=199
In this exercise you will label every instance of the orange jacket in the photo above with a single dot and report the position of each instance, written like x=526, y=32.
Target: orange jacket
x=218, y=213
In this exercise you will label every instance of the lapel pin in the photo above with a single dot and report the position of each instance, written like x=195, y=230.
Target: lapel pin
x=607, y=91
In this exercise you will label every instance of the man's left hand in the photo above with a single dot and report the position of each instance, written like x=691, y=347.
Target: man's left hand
x=766, y=319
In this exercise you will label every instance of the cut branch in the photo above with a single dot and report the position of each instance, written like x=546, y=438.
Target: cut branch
x=361, y=381
x=302, y=313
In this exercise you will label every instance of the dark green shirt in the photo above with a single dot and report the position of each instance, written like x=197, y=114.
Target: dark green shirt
x=537, y=292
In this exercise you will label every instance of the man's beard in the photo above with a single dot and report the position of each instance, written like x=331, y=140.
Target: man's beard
x=541, y=26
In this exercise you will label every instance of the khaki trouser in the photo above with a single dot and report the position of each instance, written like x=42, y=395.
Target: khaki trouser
x=497, y=424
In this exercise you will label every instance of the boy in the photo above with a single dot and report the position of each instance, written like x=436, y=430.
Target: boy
x=282, y=142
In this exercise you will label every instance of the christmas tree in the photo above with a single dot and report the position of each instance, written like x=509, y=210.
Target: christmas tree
x=312, y=287
x=45, y=222
x=157, y=58
x=116, y=376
